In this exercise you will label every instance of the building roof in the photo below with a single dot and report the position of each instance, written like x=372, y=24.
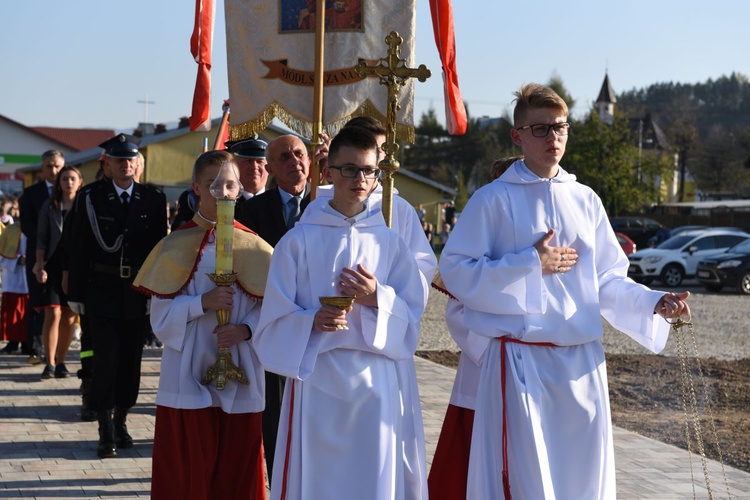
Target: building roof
x=607, y=93
x=420, y=178
x=94, y=152
x=79, y=139
x=652, y=134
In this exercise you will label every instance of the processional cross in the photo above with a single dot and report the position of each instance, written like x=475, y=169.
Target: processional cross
x=393, y=73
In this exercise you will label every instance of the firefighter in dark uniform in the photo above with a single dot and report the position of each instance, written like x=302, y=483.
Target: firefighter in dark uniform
x=115, y=228
x=87, y=348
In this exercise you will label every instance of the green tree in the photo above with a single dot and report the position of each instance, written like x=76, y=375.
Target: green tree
x=556, y=84
x=706, y=124
x=606, y=159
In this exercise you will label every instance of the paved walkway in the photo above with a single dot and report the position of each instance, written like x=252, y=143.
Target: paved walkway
x=47, y=452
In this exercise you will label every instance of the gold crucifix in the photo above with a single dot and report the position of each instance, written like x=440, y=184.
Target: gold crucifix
x=392, y=72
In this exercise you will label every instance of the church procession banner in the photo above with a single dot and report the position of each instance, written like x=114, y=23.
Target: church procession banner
x=270, y=57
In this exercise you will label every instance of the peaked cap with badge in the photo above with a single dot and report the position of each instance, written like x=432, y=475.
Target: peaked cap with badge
x=247, y=148
x=121, y=146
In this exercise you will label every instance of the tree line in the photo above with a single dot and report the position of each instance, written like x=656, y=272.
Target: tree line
x=705, y=131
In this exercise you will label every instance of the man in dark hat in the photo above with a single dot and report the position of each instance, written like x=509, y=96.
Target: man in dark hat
x=116, y=226
x=251, y=163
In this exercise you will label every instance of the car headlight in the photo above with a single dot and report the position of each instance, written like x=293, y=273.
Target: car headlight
x=728, y=263
x=653, y=259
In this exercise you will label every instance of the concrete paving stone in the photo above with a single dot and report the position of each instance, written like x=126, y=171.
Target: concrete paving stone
x=50, y=453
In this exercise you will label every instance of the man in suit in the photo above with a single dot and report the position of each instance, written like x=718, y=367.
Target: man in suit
x=116, y=227
x=271, y=214
x=30, y=203
x=251, y=163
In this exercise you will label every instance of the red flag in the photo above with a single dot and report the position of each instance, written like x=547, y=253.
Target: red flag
x=200, y=47
x=442, y=25
x=222, y=135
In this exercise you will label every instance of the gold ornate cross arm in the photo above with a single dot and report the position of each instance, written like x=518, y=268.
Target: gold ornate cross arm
x=393, y=73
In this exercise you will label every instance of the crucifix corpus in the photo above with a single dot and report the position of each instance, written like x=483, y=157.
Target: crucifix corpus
x=393, y=73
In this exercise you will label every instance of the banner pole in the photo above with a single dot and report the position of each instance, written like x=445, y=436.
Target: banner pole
x=317, y=125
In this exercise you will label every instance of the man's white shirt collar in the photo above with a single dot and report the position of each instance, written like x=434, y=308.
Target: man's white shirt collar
x=120, y=190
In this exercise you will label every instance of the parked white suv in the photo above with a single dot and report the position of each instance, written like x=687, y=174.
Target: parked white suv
x=677, y=258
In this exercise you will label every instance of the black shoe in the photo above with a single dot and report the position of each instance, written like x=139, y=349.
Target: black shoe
x=11, y=348
x=106, y=446
x=87, y=413
x=48, y=372
x=61, y=371
x=122, y=437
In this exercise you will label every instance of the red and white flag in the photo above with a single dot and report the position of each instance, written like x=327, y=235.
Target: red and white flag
x=200, y=46
x=442, y=25
x=270, y=56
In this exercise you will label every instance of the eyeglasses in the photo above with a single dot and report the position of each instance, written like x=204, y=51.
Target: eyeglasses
x=353, y=172
x=542, y=129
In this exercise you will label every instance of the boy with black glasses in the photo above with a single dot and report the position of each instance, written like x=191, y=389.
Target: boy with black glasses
x=535, y=263
x=343, y=414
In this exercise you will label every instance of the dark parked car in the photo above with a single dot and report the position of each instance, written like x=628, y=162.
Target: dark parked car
x=731, y=268
x=638, y=229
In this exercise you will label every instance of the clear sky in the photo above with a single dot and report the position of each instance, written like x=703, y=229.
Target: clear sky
x=87, y=63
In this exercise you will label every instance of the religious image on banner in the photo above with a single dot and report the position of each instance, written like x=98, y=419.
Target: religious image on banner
x=341, y=15
x=271, y=63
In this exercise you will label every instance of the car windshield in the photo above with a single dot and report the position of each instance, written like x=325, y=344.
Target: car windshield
x=675, y=242
x=743, y=247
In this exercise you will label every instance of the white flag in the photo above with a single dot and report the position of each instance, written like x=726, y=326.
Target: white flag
x=270, y=52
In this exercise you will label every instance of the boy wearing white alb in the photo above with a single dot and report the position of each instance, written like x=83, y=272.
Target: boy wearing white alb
x=341, y=430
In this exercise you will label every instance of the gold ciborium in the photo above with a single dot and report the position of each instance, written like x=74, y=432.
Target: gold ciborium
x=340, y=302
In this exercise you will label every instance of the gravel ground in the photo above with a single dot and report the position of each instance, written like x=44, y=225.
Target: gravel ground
x=721, y=323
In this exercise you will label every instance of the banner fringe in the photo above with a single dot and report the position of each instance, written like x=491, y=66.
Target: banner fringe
x=303, y=127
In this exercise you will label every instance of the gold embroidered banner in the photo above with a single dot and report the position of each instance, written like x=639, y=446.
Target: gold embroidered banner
x=270, y=55
x=280, y=69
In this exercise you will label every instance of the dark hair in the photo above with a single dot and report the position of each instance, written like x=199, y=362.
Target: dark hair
x=499, y=167
x=367, y=123
x=355, y=137
x=214, y=158
x=51, y=154
x=536, y=96
x=57, y=190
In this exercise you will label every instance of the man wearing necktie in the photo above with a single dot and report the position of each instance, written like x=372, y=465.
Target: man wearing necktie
x=119, y=222
x=293, y=211
x=271, y=214
x=29, y=205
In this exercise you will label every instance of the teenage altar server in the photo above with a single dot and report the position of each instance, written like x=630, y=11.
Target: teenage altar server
x=535, y=263
x=406, y=223
x=341, y=430
x=207, y=442
x=450, y=465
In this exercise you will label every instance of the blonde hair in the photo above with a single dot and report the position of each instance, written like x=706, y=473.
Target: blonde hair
x=536, y=96
x=212, y=158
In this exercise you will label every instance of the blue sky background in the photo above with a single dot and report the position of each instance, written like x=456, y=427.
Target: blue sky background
x=87, y=63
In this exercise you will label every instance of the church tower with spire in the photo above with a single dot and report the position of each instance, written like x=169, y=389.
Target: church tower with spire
x=606, y=101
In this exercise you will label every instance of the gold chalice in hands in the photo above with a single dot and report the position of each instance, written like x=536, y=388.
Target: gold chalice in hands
x=340, y=302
